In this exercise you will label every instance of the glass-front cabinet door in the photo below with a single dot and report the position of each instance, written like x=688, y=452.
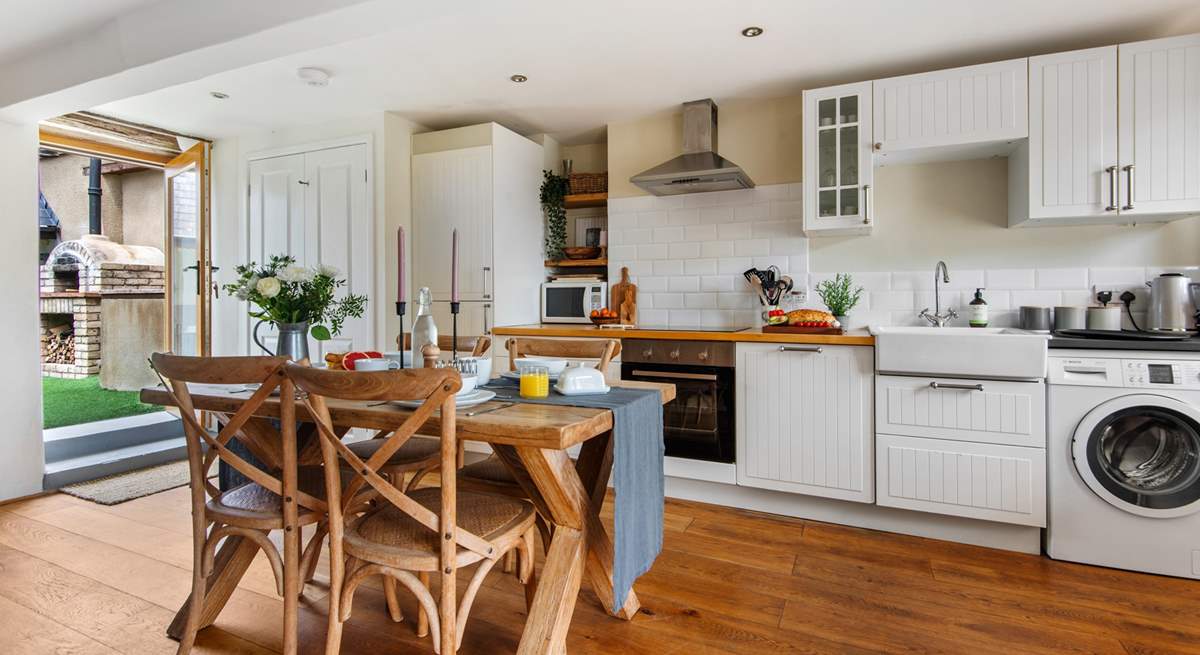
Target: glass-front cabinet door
x=837, y=160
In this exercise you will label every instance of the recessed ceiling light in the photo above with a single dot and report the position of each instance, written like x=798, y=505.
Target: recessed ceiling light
x=218, y=95
x=313, y=76
x=518, y=78
x=752, y=31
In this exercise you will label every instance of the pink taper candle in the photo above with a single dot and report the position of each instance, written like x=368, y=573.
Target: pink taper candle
x=454, y=266
x=401, y=295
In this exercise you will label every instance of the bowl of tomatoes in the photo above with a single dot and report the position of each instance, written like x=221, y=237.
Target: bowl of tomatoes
x=604, y=316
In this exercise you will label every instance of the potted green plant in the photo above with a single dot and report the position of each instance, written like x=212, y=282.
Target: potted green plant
x=839, y=295
x=298, y=300
x=553, y=197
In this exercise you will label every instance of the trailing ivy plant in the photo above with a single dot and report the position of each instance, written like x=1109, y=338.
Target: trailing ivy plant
x=553, y=198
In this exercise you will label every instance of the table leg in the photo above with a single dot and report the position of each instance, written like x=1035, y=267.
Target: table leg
x=232, y=560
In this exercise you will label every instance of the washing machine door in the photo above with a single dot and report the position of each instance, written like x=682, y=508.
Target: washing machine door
x=1141, y=454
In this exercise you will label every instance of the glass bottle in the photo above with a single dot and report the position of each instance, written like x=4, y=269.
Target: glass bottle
x=424, y=330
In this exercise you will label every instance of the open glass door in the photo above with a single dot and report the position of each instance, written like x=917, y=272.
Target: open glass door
x=189, y=262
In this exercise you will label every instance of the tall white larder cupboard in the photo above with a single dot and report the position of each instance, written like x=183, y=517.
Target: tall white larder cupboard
x=482, y=180
x=1114, y=136
x=315, y=205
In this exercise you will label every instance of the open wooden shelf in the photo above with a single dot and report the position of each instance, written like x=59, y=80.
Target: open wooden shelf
x=578, y=200
x=577, y=263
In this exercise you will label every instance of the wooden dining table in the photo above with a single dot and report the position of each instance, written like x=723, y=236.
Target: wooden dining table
x=531, y=439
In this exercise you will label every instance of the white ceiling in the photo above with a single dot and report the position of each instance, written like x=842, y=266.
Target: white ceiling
x=591, y=63
x=31, y=24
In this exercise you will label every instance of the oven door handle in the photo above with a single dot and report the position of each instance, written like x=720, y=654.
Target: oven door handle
x=678, y=376
x=801, y=349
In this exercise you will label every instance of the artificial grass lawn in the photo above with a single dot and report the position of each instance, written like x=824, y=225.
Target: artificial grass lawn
x=70, y=402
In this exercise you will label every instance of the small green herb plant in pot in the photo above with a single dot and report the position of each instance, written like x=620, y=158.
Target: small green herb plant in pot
x=839, y=295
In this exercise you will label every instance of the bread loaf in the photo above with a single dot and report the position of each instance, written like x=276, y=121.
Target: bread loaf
x=797, y=316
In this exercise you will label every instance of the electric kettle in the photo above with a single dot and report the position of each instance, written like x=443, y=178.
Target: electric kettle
x=1171, y=303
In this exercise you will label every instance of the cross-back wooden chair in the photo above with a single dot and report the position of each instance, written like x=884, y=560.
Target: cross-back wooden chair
x=276, y=498
x=423, y=531
x=476, y=346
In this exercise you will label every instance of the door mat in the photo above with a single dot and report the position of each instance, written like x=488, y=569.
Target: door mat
x=122, y=487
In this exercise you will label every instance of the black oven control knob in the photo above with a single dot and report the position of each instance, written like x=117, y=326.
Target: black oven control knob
x=648, y=353
x=703, y=356
x=675, y=354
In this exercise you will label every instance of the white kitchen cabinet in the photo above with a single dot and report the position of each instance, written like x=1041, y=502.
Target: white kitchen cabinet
x=482, y=180
x=1114, y=136
x=985, y=411
x=957, y=108
x=837, y=160
x=804, y=419
x=1159, y=90
x=983, y=481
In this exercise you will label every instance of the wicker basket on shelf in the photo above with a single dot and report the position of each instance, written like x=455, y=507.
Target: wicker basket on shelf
x=589, y=182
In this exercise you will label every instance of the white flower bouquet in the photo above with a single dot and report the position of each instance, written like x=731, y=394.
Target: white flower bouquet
x=282, y=292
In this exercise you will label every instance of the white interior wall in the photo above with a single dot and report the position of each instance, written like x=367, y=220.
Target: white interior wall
x=21, y=465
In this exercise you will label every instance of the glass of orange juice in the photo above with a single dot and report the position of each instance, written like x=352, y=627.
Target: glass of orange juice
x=535, y=382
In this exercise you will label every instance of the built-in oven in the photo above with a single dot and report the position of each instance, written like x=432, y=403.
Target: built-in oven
x=699, y=423
x=572, y=301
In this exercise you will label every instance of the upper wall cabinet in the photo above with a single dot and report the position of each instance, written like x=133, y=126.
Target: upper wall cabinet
x=957, y=108
x=1114, y=136
x=837, y=160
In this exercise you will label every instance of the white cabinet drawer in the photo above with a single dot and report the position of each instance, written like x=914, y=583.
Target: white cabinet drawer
x=974, y=480
x=987, y=411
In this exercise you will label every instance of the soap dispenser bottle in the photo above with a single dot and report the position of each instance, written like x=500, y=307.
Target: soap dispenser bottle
x=978, y=311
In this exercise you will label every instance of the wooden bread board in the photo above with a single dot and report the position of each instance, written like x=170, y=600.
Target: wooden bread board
x=796, y=329
x=623, y=298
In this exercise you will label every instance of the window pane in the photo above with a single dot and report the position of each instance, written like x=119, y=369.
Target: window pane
x=849, y=141
x=827, y=158
x=849, y=202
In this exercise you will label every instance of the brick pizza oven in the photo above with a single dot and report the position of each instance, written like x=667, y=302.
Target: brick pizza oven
x=101, y=310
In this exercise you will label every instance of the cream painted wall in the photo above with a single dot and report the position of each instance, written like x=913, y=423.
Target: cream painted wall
x=761, y=136
x=587, y=157
x=957, y=211
x=22, y=465
x=390, y=137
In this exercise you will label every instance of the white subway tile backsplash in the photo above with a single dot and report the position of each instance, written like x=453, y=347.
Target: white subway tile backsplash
x=636, y=237
x=737, y=300
x=912, y=280
x=776, y=229
x=787, y=209
x=891, y=300
x=652, y=316
x=733, y=265
x=1008, y=278
x=1062, y=278
x=700, y=233
x=621, y=221
x=668, y=300
x=668, y=234
x=652, y=251
x=966, y=279
x=700, y=267
x=715, y=215
x=1118, y=278
x=790, y=247
x=684, y=317
x=652, y=284
x=668, y=267
x=684, y=283
x=622, y=252
x=718, y=283
x=684, y=250
x=745, y=213
x=683, y=216
x=751, y=247
x=716, y=249
x=700, y=300
x=652, y=219
x=1036, y=299
x=778, y=261
x=733, y=231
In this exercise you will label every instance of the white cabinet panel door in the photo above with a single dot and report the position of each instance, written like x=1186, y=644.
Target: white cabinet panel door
x=975, y=480
x=1012, y=413
x=276, y=221
x=961, y=106
x=837, y=160
x=1073, y=134
x=1160, y=125
x=339, y=225
x=453, y=189
x=804, y=420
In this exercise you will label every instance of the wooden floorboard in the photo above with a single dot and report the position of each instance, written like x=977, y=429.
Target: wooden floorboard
x=76, y=577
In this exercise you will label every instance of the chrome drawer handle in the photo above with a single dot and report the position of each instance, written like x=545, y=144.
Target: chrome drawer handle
x=801, y=349
x=964, y=387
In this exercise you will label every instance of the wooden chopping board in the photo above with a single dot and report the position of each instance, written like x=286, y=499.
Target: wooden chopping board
x=623, y=299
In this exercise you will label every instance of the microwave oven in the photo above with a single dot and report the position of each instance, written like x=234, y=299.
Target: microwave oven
x=572, y=301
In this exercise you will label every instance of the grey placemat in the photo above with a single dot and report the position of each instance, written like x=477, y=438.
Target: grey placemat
x=637, y=474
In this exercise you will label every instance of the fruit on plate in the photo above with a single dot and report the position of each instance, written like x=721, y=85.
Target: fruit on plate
x=333, y=361
x=604, y=313
x=777, y=317
x=351, y=357
x=811, y=318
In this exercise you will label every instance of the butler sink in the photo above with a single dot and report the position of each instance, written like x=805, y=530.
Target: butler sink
x=1002, y=353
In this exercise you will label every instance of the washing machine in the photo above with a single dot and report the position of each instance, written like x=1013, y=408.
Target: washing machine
x=1124, y=460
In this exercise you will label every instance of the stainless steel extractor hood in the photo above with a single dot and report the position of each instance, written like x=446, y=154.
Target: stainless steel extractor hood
x=699, y=168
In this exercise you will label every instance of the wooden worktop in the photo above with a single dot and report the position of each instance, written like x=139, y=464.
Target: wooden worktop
x=753, y=335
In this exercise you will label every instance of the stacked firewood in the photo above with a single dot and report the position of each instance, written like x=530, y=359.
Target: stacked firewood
x=58, y=345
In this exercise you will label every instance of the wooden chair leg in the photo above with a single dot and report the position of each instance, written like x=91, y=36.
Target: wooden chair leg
x=422, y=617
x=393, y=602
x=526, y=570
x=337, y=575
x=510, y=561
x=292, y=584
x=196, y=604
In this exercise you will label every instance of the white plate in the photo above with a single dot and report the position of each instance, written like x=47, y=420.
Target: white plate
x=477, y=397
x=516, y=375
x=588, y=392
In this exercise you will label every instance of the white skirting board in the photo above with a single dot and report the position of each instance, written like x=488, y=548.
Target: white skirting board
x=920, y=524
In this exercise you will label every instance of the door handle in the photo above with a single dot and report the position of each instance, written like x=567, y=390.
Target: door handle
x=675, y=376
x=1112, y=189
x=962, y=387
x=866, y=196
x=1128, y=188
x=487, y=328
x=801, y=349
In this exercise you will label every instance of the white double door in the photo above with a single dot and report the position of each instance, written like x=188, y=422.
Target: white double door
x=315, y=206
